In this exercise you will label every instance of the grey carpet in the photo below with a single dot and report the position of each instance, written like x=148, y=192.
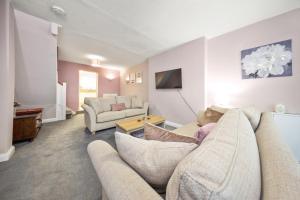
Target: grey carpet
x=55, y=166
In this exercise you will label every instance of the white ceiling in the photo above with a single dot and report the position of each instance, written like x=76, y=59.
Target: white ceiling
x=126, y=32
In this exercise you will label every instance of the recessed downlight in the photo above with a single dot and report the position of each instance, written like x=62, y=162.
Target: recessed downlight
x=58, y=10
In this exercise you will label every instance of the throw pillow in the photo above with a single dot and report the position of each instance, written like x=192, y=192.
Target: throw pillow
x=209, y=116
x=152, y=132
x=136, y=102
x=118, y=107
x=219, y=109
x=204, y=131
x=155, y=161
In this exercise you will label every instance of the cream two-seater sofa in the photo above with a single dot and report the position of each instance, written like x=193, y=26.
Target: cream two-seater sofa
x=233, y=162
x=98, y=114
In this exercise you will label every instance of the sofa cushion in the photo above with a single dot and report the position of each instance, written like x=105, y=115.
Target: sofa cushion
x=107, y=102
x=253, y=116
x=155, y=161
x=219, y=109
x=136, y=102
x=204, y=131
x=280, y=169
x=209, y=116
x=124, y=99
x=133, y=112
x=110, y=116
x=187, y=130
x=118, y=180
x=118, y=107
x=152, y=132
x=225, y=166
x=95, y=103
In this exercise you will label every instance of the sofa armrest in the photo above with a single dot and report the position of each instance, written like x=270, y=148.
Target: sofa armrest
x=89, y=117
x=146, y=107
x=118, y=180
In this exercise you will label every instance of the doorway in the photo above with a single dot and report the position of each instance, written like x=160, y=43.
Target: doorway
x=88, y=85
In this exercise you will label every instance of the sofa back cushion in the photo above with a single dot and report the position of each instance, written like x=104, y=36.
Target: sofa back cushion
x=136, y=102
x=95, y=103
x=225, y=166
x=124, y=99
x=107, y=102
x=253, y=115
x=280, y=170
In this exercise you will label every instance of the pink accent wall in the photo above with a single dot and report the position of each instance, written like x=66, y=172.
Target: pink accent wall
x=69, y=72
x=211, y=72
x=167, y=102
x=224, y=66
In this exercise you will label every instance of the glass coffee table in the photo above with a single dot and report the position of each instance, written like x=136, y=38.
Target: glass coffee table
x=129, y=126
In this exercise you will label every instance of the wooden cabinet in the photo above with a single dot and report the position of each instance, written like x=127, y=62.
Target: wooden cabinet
x=27, y=124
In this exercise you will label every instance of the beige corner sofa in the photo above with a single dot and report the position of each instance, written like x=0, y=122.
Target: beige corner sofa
x=232, y=162
x=98, y=114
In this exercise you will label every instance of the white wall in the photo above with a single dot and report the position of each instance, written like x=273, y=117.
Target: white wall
x=7, y=78
x=36, y=63
x=167, y=102
x=224, y=79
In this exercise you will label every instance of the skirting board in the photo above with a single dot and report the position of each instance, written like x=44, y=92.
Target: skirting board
x=49, y=120
x=173, y=124
x=7, y=155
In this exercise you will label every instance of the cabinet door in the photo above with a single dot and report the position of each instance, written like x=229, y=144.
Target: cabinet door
x=289, y=126
x=29, y=127
x=18, y=130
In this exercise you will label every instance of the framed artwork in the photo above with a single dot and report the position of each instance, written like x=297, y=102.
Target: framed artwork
x=272, y=60
x=139, y=77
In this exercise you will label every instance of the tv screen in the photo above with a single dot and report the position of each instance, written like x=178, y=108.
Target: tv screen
x=168, y=79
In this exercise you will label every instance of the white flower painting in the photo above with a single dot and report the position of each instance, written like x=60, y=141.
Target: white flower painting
x=273, y=60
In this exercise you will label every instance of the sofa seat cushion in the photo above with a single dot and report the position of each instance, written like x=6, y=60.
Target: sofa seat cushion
x=225, y=166
x=110, y=116
x=133, y=112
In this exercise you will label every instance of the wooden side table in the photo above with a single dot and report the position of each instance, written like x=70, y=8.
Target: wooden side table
x=27, y=124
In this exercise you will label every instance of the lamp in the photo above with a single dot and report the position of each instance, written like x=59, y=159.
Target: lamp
x=110, y=76
x=127, y=78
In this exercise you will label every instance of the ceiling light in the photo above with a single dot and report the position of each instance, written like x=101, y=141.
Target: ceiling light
x=96, y=63
x=94, y=56
x=58, y=10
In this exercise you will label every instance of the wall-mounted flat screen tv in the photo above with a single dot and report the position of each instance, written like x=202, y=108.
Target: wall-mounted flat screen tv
x=170, y=79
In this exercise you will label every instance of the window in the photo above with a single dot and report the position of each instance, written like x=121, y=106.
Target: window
x=88, y=85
